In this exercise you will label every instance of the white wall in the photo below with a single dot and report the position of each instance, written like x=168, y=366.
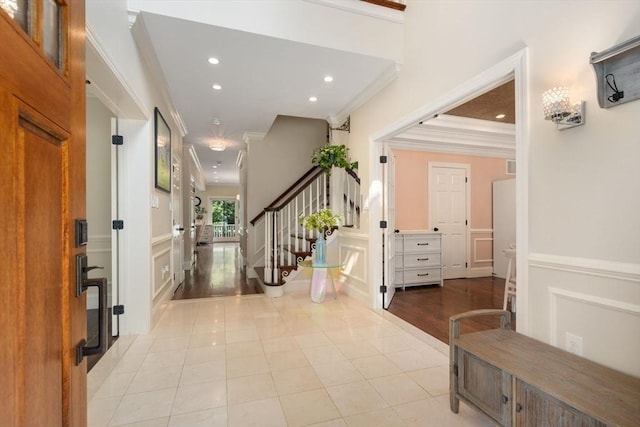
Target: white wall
x=147, y=233
x=584, y=195
x=274, y=164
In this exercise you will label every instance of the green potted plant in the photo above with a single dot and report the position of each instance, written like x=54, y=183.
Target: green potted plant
x=329, y=156
x=323, y=221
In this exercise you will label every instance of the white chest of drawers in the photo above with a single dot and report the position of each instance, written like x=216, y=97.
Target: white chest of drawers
x=418, y=259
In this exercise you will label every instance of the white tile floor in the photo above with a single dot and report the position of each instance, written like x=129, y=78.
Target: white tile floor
x=255, y=361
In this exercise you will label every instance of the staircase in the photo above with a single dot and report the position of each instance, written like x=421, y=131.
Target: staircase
x=285, y=242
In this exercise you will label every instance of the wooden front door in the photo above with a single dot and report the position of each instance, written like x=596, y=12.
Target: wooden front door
x=42, y=192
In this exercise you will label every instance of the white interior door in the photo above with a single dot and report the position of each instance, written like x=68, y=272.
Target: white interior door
x=448, y=214
x=388, y=173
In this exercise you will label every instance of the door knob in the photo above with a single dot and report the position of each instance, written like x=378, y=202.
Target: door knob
x=435, y=228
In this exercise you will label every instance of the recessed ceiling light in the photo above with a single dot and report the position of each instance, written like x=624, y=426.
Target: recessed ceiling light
x=215, y=166
x=313, y=99
x=501, y=116
x=216, y=86
x=214, y=61
x=328, y=79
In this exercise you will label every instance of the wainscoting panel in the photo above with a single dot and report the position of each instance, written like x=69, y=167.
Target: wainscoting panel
x=161, y=270
x=481, y=262
x=596, y=300
x=353, y=251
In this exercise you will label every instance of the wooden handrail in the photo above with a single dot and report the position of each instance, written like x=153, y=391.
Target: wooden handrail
x=313, y=173
x=299, y=190
x=388, y=3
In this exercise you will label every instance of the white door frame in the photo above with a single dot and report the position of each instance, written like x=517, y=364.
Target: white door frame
x=389, y=215
x=513, y=67
x=467, y=228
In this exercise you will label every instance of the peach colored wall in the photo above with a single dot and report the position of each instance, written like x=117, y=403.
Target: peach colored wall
x=412, y=186
x=412, y=195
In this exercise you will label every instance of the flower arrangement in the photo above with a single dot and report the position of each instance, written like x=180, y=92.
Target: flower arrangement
x=329, y=156
x=322, y=220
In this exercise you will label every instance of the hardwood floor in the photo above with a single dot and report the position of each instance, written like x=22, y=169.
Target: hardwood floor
x=218, y=272
x=429, y=307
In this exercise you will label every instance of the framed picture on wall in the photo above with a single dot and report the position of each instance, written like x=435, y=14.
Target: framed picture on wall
x=163, y=153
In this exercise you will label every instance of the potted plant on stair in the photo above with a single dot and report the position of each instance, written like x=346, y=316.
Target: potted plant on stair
x=323, y=221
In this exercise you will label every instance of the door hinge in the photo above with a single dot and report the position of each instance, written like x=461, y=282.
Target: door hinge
x=455, y=369
x=117, y=224
x=466, y=265
x=466, y=222
x=466, y=179
x=118, y=310
x=383, y=224
x=383, y=159
x=117, y=140
x=383, y=289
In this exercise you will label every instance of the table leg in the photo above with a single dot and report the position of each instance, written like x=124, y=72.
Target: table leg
x=333, y=286
x=318, y=284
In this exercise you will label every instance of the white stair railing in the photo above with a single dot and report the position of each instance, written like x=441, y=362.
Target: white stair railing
x=284, y=237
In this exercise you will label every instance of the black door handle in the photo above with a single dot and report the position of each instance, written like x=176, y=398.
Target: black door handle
x=180, y=229
x=82, y=349
x=435, y=228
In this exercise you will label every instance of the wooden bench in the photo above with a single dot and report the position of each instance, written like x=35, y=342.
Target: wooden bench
x=519, y=381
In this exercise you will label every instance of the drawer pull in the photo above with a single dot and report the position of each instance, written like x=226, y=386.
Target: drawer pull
x=423, y=244
x=518, y=407
x=423, y=274
x=505, y=399
x=423, y=259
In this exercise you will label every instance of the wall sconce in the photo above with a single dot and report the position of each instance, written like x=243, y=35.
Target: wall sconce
x=559, y=110
x=216, y=146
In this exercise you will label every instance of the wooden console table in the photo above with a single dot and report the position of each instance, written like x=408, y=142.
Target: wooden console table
x=519, y=381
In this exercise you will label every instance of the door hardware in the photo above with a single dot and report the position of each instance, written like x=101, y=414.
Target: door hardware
x=82, y=284
x=82, y=272
x=82, y=349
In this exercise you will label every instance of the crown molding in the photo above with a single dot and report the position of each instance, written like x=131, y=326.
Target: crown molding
x=390, y=74
x=253, y=136
x=110, y=84
x=459, y=135
x=143, y=40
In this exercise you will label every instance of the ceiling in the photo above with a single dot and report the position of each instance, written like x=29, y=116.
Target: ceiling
x=487, y=106
x=261, y=77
